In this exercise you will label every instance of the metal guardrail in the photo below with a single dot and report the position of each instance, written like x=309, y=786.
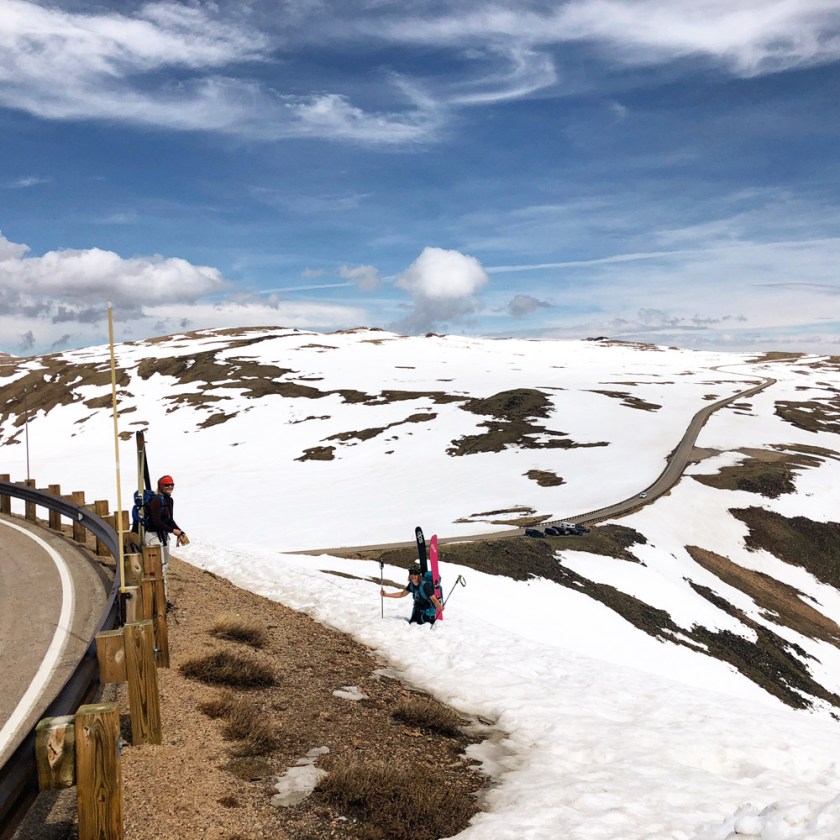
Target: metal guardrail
x=18, y=776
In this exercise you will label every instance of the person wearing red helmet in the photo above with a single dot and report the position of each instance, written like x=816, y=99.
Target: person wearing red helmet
x=160, y=512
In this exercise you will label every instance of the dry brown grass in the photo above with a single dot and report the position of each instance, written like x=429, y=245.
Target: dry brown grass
x=218, y=706
x=397, y=803
x=237, y=628
x=428, y=714
x=247, y=724
x=223, y=667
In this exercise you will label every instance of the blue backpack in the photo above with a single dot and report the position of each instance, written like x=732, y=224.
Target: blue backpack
x=141, y=502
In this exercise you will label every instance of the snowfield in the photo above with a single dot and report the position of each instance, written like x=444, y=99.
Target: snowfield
x=600, y=730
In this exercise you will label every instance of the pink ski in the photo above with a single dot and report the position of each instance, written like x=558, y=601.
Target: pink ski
x=433, y=563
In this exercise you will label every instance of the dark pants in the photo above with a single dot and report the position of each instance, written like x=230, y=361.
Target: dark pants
x=419, y=616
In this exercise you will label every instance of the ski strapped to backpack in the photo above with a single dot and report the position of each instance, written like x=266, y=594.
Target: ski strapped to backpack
x=421, y=550
x=435, y=571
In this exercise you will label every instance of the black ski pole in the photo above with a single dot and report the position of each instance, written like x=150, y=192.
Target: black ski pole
x=381, y=584
x=459, y=579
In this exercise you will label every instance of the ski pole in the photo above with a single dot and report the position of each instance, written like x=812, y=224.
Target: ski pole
x=459, y=579
x=381, y=584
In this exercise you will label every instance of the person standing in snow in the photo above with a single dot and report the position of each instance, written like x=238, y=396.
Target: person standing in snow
x=160, y=518
x=426, y=603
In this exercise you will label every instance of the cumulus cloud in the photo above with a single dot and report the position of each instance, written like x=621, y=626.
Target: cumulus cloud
x=366, y=277
x=521, y=306
x=443, y=286
x=60, y=299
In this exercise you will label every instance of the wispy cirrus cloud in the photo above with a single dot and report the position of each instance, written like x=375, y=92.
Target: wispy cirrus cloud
x=26, y=182
x=179, y=67
x=222, y=67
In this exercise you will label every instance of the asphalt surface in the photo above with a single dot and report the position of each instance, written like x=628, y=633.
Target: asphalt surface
x=51, y=598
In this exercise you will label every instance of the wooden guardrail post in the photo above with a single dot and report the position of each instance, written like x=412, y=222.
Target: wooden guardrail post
x=55, y=516
x=98, y=772
x=133, y=569
x=79, y=530
x=30, y=507
x=55, y=752
x=110, y=654
x=101, y=508
x=135, y=608
x=154, y=599
x=5, y=499
x=141, y=673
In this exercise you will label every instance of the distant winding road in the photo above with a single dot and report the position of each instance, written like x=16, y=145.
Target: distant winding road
x=675, y=467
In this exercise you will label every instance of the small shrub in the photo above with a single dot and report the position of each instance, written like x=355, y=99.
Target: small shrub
x=225, y=668
x=246, y=723
x=219, y=706
x=428, y=714
x=398, y=803
x=236, y=628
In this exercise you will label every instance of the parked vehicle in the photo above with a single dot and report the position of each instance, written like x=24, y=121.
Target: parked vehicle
x=642, y=495
x=534, y=532
x=551, y=531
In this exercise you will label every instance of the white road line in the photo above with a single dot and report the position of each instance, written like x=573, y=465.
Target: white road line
x=57, y=645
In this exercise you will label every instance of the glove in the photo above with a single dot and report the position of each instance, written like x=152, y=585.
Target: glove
x=183, y=539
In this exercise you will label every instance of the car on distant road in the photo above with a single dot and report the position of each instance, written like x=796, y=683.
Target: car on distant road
x=534, y=532
x=642, y=495
x=551, y=531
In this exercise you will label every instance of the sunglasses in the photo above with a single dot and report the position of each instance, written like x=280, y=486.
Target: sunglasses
x=167, y=485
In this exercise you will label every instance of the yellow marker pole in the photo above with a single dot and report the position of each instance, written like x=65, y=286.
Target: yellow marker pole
x=119, y=518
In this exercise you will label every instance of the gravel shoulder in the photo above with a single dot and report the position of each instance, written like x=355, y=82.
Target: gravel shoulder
x=198, y=783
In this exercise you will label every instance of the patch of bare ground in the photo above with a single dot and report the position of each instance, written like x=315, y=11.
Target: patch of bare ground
x=518, y=516
x=783, y=604
x=513, y=412
x=629, y=400
x=545, y=478
x=53, y=383
x=224, y=748
x=522, y=558
x=814, y=546
x=318, y=453
x=776, y=356
x=819, y=415
x=367, y=434
x=766, y=472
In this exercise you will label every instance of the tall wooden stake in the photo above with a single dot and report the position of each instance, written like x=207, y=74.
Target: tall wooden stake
x=120, y=560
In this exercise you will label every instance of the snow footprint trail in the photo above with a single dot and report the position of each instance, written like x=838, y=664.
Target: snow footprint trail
x=594, y=751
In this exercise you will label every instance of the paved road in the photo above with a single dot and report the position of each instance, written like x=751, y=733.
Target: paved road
x=670, y=475
x=51, y=598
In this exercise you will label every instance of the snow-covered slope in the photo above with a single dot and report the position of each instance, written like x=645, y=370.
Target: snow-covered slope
x=647, y=692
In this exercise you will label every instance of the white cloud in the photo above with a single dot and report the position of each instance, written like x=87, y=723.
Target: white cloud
x=204, y=67
x=60, y=299
x=26, y=182
x=521, y=306
x=442, y=285
x=366, y=277
x=165, y=66
x=750, y=36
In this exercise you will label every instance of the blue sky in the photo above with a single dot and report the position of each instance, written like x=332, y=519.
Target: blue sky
x=645, y=170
